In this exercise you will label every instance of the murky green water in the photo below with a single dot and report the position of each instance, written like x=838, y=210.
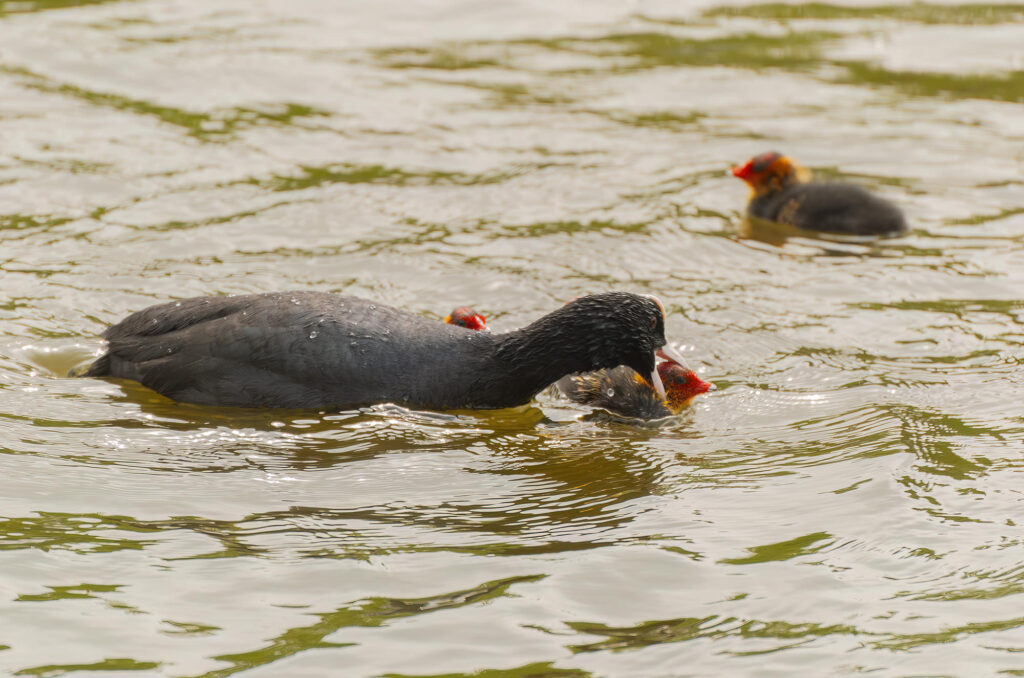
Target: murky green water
x=850, y=500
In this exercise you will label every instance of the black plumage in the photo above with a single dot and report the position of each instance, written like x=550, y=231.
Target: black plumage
x=314, y=349
x=781, y=194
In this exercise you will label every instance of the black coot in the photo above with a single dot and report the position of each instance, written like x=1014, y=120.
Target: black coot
x=782, y=193
x=314, y=349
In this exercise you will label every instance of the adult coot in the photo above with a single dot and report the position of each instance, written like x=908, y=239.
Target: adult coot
x=619, y=389
x=783, y=193
x=314, y=349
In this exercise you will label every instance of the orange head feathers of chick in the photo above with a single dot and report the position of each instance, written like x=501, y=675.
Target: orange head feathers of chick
x=770, y=172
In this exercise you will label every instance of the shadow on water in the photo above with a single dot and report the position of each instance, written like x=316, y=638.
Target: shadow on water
x=813, y=242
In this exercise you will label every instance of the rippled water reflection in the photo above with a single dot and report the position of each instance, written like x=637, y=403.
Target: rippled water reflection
x=847, y=501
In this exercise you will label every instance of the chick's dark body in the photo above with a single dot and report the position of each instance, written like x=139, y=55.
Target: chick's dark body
x=833, y=208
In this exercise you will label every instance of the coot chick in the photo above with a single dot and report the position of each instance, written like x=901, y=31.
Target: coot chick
x=464, y=316
x=624, y=392
x=315, y=349
x=783, y=193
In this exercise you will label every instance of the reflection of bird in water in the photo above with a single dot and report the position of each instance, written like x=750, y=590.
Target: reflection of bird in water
x=782, y=193
x=314, y=349
x=620, y=390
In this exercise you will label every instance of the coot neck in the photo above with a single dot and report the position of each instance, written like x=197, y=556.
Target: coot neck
x=543, y=352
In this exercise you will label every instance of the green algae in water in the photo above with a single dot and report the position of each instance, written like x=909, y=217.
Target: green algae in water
x=995, y=87
x=917, y=12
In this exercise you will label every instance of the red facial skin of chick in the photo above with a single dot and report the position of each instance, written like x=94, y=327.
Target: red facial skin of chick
x=464, y=316
x=681, y=385
x=770, y=172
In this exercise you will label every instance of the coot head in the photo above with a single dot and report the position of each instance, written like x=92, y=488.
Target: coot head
x=681, y=384
x=769, y=171
x=619, y=328
x=464, y=316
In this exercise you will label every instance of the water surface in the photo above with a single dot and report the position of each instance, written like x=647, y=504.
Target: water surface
x=847, y=502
